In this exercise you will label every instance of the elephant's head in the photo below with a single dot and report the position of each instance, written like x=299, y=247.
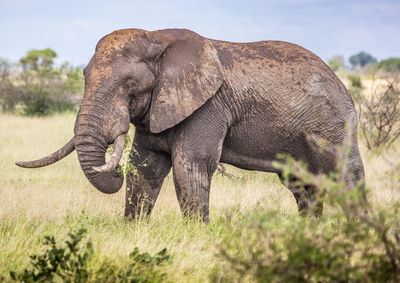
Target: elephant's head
x=152, y=79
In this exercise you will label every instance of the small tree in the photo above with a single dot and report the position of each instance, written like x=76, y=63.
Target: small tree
x=48, y=89
x=9, y=93
x=38, y=59
x=379, y=114
x=361, y=59
x=390, y=65
x=337, y=63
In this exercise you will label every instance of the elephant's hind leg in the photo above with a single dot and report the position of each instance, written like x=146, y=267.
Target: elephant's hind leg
x=144, y=181
x=306, y=196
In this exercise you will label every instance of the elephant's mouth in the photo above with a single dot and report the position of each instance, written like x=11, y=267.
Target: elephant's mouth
x=69, y=147
x=116, y=156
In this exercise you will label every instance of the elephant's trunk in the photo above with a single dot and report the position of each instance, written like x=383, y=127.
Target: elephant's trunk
x=91, y=147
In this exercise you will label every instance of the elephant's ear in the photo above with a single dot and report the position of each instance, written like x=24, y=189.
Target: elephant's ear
x=189, y=74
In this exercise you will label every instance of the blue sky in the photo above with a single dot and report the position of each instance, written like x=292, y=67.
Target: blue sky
x=326, y=27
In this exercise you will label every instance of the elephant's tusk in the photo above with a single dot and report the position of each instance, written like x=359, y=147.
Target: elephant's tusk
x=50, y=159
x=115, y=157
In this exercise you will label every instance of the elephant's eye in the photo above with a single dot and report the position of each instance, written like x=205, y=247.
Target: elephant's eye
x=131, y=84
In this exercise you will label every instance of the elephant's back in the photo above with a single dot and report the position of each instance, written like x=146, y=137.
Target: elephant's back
x=290, y=86
x=268, y=52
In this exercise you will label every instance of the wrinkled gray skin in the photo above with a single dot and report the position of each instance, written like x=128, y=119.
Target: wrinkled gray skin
x=196, y=102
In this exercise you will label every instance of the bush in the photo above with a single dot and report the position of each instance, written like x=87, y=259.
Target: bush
x=337, y=63
x=37, y=87
x=142, y=268
x=47, y=92
x=355, y=87
x=390, y=65
x=363, y=246
x=68, y=263
x=306, y=250
x=10, y=94
x=71, y=263
x=379, y=114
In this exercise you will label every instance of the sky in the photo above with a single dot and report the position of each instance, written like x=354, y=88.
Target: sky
x=326, y=27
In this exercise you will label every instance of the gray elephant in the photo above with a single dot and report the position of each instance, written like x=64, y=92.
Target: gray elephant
x=196, y=102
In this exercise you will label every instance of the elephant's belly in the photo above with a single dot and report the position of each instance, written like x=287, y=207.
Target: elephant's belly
x=247, y=162
x=254, y=146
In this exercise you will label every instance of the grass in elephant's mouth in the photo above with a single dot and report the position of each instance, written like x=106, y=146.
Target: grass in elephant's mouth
x=57, y=199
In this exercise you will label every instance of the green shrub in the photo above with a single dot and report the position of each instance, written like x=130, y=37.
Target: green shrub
x=337, y=63
x=71, y=263
x=271, y=249
x=357, y=246
x=142, y=268
x=391, y=65
x=305, y=250
x=355, y=81
x=68, y=263
x=49, y=90
x=9, y=93
x=38, y=87
x=355, y=87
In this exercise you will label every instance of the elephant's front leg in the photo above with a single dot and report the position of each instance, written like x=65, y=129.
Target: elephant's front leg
x=144, y=181
x=192, y=178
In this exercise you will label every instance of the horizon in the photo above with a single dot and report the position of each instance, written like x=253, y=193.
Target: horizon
x=326, y=28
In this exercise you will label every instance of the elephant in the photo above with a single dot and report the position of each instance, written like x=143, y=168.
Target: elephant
x=196, y=102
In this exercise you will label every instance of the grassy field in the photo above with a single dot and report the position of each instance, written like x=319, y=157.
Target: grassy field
x=58, y=199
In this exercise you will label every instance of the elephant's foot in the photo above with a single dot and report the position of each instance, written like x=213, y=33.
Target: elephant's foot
x=306, y=196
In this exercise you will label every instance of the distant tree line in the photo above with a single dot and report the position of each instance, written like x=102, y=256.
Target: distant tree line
x=363, y=60
x=35, y=86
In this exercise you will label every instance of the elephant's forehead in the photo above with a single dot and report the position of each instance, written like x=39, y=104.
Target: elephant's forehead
x=107, y=50
x=117, y=40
